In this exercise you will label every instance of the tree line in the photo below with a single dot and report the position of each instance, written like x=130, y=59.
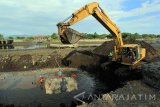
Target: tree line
x=109, y=36
x=91, y=36
x=124, y=36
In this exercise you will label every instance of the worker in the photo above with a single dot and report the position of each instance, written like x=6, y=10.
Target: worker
x=63, y=85
x=110, y=56
x=131, y=55
x=41, y=79
x=59, y=74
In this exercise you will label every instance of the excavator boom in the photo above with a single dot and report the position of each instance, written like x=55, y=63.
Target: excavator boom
x=94, y=10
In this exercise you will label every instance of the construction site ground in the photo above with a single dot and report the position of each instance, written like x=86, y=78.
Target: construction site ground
x=144, y=80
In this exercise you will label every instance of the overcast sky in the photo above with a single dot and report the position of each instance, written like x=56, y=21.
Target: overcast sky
x=39, y=17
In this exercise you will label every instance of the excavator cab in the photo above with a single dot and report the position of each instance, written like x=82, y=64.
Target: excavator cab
x=131, y=54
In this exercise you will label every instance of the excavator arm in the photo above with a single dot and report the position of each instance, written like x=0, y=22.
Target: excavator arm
x=94, y=10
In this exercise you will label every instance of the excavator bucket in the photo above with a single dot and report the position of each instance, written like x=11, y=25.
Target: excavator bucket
x=70, y=36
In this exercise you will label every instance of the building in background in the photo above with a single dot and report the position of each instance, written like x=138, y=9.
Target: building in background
x=40, y=38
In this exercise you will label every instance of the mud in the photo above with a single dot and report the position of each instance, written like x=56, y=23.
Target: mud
x=28, y=62
x=95, y=58
x=21, y=88
x=128, y=96
x=48, y=58
x=151, y=74
x=84, y=60
x=31, y=59
x=89, y=60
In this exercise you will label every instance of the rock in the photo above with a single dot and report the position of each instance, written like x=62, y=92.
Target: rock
x=25, y=67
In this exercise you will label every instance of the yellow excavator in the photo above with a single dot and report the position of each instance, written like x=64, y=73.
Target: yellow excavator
x=127, y=54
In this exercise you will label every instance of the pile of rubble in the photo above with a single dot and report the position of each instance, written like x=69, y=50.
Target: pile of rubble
x=58, y=85
x=57, y=82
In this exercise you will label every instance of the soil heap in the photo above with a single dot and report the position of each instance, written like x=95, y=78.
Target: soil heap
x=151, y=52
x=88, y=59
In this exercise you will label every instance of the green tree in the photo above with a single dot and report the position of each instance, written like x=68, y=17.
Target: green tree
x=89, y=36
x=158, y=36
x=110, y=36
x=126, y=35
x=20, y=37
x=102, y=36
x=30, y=38
x=1, y=36
x=95, y=35
x=54, y=36
x=11, y=37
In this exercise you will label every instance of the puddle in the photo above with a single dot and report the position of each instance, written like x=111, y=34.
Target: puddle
x=20, y=89
x=28, y=46
x=36, y=46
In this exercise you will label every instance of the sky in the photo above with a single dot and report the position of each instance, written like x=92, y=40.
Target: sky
x=39, y=17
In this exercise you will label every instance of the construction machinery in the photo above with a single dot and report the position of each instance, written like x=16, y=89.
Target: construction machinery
x=127, y=54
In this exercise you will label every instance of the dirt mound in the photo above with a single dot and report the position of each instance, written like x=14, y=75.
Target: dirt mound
x=123, y=97
x=83, y=59
x=29, y=61
x=151, y=74
x=135, y=88
x=97, y=59
x=106, y=47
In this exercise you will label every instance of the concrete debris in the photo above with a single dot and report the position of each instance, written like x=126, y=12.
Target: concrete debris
x=59, y=85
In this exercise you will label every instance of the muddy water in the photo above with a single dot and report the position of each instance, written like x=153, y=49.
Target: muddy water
x=31, y=46
x=20, y=89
